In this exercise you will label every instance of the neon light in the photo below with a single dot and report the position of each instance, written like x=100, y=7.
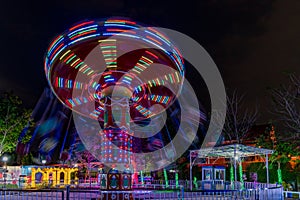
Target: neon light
x=108, y=48
x=161, y=38
x=82, y=24
x=154, y=83
x=151, y=38
x=80, y=34
x=147, y=59
x=279, y=174
x=166, y=178
x=136, y=71
x=86, y=70
x=176, y=179
x=140, y=88
x=67, y=58
x=90, y=72
x=81, y=29
x=79, y=64
x=128, y=78
x=71, y=102
x=64, y=54
x=54, y=42
x=70, y=59
x=83, y=67
x=109, y=80
x=75, y=61
x=231, y=176
x=67, y=48
x=138, y=68
x=125, y=81
x=144, y=111
x=57, y=53
x=171, y=78
x=177, y=77
x=158, y=81
x=126, y=35
x=83, y=38
x=120, y=25
x=121, y=30
x=148, y=52
x=56, y=50
x=146, y=40
x=158, y=33
x=195, y=182
x=119, y=21
x=55, y=45
x=241, y=176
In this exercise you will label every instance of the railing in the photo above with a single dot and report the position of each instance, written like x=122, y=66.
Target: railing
x=156, y=187
x=291, y=194
x=216, y=184
x=140, y=194
x=17, y=194
x=271, y=193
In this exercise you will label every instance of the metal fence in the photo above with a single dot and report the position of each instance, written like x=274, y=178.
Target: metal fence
x=140, y=194
x=291, y=194
x=18, y=194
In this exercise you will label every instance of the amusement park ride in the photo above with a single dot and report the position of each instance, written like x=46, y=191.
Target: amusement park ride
x=119, y=74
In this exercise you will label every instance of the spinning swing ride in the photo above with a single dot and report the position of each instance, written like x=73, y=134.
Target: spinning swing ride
x=87, y=65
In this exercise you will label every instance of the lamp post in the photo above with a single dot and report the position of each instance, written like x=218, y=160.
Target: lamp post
x=5, y=159
x=44, y=162
x=45, y=176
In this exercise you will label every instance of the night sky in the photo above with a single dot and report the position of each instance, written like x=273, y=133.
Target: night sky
x=252, y=42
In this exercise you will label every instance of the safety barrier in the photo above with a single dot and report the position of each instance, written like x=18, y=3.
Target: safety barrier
x=291, y=194
x=159, y=193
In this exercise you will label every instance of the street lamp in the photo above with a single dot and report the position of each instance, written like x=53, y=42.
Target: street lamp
x=44, y=162
x=5, y=159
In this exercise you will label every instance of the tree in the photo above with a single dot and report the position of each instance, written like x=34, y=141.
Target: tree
x=239, y=119
x=13, y=118
x=283, y=152
x=286, y=106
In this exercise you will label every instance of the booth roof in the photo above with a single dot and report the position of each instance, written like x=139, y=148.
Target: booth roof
x=230, y=151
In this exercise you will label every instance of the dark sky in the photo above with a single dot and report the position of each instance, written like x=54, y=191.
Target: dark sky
x=252, y=42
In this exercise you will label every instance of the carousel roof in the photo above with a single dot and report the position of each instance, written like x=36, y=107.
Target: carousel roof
x=230, y=151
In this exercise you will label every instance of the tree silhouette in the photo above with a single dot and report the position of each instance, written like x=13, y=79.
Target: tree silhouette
x=13, y=118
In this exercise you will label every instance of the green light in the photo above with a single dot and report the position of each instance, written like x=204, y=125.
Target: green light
x=231, y=175
x=195, y=182
x=166, y=178
x=279, y=174
x=142, y=177
x=176, y=179
x=81, y=32
x=70, y=59
x=144, y=62
x=171, y=79
x=241, y=176
x=108, y=47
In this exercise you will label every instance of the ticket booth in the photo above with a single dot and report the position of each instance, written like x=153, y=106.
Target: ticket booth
x=219, y=177
x=213, y=177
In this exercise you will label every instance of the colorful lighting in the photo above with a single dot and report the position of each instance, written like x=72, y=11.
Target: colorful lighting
x=68, y=57
x=241, y=176
x=166, y=178
x=232, y=176
x=279, y=174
